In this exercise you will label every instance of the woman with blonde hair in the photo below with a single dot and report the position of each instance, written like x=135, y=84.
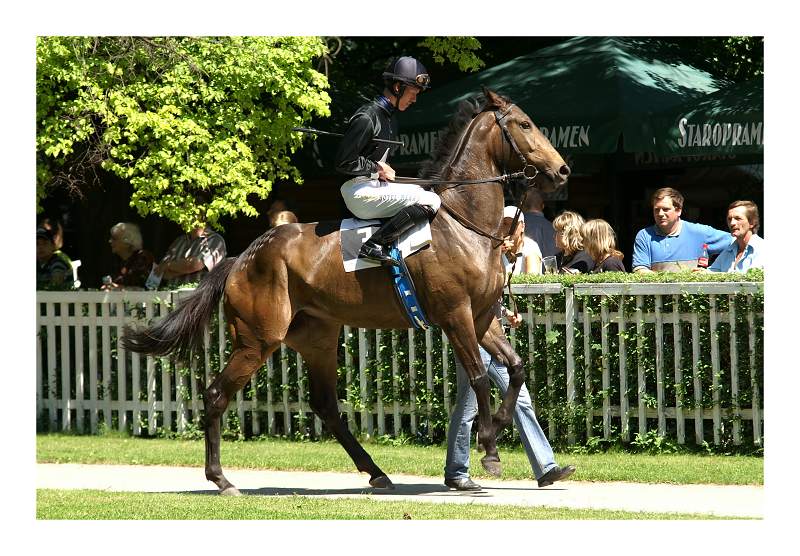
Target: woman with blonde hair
x=600, y=242
x=572, y=258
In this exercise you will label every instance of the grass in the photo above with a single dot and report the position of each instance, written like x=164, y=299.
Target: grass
x=278, y=454
x=97, y=504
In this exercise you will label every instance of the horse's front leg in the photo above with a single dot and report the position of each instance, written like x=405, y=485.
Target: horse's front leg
x=462, y=336
x=501, y=350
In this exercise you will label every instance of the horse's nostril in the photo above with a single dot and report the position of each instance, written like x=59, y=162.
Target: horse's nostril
x=564, y=170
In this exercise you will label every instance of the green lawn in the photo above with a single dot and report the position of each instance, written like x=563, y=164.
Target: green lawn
x=414, y=460
x=96, y=504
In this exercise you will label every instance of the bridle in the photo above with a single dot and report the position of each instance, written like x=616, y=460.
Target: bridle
x=500, y=119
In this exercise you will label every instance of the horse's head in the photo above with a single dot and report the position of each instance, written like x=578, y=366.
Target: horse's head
x=530, y=151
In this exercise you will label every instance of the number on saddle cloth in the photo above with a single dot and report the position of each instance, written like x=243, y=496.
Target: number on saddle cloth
x=355, y=232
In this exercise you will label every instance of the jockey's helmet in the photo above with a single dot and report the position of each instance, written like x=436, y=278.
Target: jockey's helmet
x=408, y=70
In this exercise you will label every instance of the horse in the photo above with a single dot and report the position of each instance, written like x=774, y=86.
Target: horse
x=289, y=286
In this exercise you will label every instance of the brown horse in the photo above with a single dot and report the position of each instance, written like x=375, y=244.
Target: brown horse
x=290, y=286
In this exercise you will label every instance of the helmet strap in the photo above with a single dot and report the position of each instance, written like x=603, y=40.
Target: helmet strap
x=399, y=94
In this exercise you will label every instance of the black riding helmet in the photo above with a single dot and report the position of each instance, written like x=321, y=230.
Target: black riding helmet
x=408, y=71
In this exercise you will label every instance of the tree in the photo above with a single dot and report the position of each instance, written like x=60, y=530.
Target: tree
x=356, y=63
x=195, y=124
x=732, y=58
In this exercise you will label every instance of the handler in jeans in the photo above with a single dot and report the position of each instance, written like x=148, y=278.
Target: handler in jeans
x=537, y=448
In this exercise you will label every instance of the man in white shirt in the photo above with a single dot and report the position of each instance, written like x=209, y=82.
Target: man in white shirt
x=746, y=251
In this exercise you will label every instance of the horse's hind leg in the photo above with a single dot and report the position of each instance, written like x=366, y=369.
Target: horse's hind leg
x=243, y=362
x=317, y=341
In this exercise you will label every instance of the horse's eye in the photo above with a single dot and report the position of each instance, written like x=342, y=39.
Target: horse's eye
x=525, y=125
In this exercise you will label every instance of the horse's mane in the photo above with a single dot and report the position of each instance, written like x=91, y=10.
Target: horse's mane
x=448, y=139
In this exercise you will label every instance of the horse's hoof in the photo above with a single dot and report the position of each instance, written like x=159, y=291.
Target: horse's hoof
x=382, y=481
x=492, y=465
x=230, y=491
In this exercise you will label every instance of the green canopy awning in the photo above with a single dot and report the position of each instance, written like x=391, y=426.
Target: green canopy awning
x=729, y=121
x=584, y=93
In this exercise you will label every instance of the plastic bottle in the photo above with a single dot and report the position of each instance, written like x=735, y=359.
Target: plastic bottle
x=702, y=260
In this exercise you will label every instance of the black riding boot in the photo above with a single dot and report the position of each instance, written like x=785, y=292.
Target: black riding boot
x=377, y=247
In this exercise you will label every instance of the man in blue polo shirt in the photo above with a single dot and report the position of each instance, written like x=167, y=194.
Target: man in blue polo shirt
x=673, y=244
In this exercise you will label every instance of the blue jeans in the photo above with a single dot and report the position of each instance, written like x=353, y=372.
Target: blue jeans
x=538, y=449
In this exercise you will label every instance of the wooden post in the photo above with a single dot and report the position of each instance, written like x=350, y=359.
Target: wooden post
x=66, y=416
x=734, y=353
x=698, y=387
x=395, y=387
x=569, y=333
x=717, y=412
x=348, y=363
x=379, y=383
x=624, y=403
x=412, y=380
x=366, y=416
x=676, y=348
x=756, y=404
x=662, y=420
x=604, y=322
x=587, y=371
x=642, y=385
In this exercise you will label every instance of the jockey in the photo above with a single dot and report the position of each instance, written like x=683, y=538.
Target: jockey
x=372, y=193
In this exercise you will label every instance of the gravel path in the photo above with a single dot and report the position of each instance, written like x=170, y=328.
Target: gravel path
x=733, y=501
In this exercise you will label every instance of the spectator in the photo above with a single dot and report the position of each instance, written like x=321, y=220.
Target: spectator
x=277, y=206
x=528, y=255
x=282, y=217
x=537, y=227
x=126, y=242
x=746, y=251
x=190, y=257
x=537, y=448
x=600, y=242
x=572, y=257
x=673, y=244
x=53, y=267
x=56, y=228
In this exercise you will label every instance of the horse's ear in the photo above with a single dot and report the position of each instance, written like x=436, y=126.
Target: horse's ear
x=493, y=99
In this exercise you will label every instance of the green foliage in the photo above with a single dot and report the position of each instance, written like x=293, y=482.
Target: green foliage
x=195, y=124
x=458, y=50
x=653, y=443
x=733, y=58
x=752, y=275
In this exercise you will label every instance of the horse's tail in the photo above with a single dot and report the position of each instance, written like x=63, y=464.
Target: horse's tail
x=181, y=331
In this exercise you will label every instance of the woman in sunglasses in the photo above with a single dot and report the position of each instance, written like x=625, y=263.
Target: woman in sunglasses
x=371, y=193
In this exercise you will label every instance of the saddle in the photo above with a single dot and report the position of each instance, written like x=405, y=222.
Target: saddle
x=354, y=232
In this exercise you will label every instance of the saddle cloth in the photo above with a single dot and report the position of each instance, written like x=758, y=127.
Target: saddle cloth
x=355, y=232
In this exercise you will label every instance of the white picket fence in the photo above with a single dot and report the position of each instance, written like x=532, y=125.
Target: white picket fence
x=85, y=378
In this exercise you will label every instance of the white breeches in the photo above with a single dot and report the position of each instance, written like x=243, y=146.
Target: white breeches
x=368, y=198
